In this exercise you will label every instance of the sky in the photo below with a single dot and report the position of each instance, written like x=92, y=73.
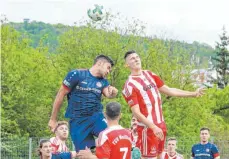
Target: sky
x=185, y=20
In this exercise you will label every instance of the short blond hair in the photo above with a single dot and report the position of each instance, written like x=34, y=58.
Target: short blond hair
x=172, y=138
x=59, y=123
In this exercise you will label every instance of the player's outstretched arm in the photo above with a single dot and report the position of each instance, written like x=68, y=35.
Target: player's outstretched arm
x=56, y=107
x=181, y=93
x=110, y=92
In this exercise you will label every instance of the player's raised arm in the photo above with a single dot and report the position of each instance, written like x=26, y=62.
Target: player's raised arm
x=56, y=106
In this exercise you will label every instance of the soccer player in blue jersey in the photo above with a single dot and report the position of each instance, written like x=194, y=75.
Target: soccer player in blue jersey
x=84, y=89
x=204, y=149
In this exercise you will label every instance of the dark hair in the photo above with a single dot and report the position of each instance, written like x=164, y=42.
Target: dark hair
x=113, y=110
x=104, y=57
x=41, y=142
x=205, y=128
x=128, y=53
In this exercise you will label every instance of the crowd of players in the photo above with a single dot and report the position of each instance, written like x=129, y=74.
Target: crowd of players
x=146, y=138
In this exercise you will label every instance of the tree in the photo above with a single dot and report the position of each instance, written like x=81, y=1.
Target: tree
x=222, y=60
x=29, y=81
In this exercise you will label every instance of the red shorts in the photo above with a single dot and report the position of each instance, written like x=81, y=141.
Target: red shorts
x=148, y=143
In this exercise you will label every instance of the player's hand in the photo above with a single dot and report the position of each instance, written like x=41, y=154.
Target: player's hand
x=158, y=132
x=112, y=91
x=199, y=92
x=52, y=125
x=85, y=154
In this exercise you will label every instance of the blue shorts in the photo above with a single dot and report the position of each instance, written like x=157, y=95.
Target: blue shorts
x=83, y=130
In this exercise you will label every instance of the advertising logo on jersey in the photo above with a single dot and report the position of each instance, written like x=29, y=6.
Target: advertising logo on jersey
x=99, y=84
x=88, y=89
x=66, y=83
x=145, y=88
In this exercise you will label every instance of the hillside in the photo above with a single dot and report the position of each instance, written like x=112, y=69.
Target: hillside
x=48, y=35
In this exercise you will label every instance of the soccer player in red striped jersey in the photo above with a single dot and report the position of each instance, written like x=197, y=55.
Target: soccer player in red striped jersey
x=171, y=150
x=142, y=93
x=115, y=141
x=59, y=141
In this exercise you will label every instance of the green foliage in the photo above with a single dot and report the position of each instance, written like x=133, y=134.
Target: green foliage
x=40, y=30
x=28, y=81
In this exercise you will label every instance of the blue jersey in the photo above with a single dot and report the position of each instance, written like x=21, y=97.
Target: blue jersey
x=64, y=155
x=84, y=98
x=206, y=151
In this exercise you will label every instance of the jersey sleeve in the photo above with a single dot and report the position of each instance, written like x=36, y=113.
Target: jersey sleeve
x=157, y=79
x=64, y=155
x=103, y=147
x=130, y=95
x=215, y=151
x=105, y=83
x=193, y=155
x=71, y=79
x=103, y=151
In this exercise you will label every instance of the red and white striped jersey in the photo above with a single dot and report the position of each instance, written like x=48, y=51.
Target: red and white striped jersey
x=114, y=142
x=143, y=90
x=165, y=155
x=58, y=145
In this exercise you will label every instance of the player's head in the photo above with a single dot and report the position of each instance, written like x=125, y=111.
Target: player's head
x=113, y=111
x=172, y=144
x=62, y=130
x=104, y=65
x=45, y=148
x=204, y=134
x=132, y=60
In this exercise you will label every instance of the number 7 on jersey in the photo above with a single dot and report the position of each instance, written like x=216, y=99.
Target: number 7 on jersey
x=125, y=150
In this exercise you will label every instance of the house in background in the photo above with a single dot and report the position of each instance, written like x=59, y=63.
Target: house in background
x=206, y=77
